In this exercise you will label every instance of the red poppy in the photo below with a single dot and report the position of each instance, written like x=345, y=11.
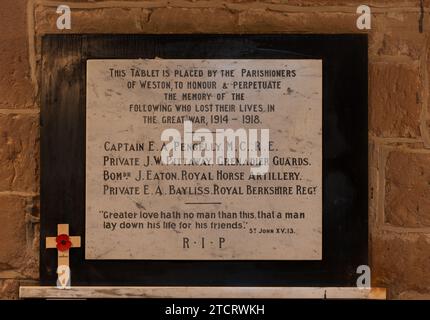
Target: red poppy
x=63, y=242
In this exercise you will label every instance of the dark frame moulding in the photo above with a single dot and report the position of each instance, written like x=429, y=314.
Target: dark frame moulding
x=345, y=168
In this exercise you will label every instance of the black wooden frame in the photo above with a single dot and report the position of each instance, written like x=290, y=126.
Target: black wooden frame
x=345, y=217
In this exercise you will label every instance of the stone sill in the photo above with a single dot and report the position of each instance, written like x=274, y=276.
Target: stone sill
x=34, y=292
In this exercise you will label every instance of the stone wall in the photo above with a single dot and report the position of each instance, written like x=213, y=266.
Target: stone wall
x=399, y=113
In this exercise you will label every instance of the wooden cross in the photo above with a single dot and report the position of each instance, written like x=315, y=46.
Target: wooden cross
x=63, y=244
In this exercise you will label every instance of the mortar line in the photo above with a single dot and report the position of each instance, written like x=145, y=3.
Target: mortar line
x=31, y=44
x=378, y=8
x=382, y=160
x=401, y=59
x=20, y=111
x=373, y=178
x=390, y=228
x=19, y=193
x=405, y=149
x=394, y=139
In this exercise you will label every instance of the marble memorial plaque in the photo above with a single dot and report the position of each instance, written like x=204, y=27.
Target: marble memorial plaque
x=262, y=203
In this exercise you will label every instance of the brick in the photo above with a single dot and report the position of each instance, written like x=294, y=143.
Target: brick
x=395, y=94
x=397, y=34
x=408, y=44
x=13, y=242
x=186, y=20
x=139, y=20
x=16, y=89
x=414, y=295
x=19, y=237
x=264, y=21
x=407, y=189
x=19, y=152
x=9, y=289
x=400, y=263
x=105, y=20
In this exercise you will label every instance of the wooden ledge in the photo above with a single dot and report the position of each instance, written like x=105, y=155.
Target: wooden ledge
x=203, y=292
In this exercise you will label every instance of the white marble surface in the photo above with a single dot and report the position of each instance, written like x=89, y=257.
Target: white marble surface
x=291, y=227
